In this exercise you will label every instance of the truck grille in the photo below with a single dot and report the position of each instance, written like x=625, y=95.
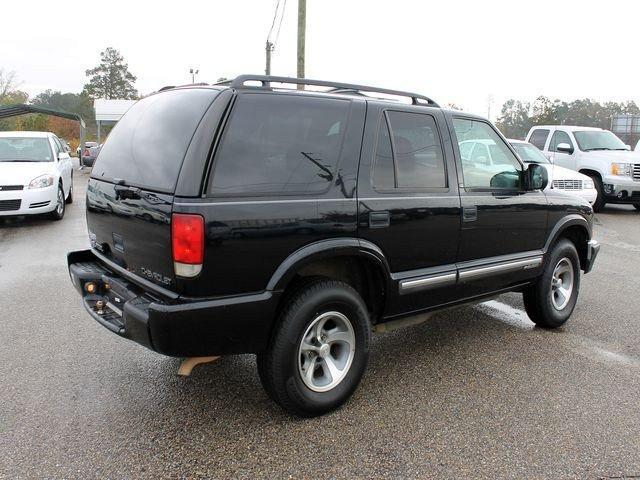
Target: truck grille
x=636, y=171
x=9, y=205
x=6, y=188
x=567, y=184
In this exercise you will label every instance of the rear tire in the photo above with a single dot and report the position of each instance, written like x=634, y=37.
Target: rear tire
x=319, y=350
x=551, y=300
x=58, y=212
x=600, y=200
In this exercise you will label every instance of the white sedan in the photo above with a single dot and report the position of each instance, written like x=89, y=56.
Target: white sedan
x=36, y=174
x=560, y=178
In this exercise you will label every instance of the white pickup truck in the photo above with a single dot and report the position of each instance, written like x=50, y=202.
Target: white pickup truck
x=595, y=152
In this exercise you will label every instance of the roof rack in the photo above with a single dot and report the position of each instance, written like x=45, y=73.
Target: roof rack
x=336, y=87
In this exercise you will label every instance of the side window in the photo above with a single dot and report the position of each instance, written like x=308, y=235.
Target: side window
x=539, y=138
x=558, y=138
x=280, y=144
x=409, y=153
x=57, y=146
x=494, y=166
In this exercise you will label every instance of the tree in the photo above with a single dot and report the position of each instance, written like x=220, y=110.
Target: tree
x=514, y=120
x=9, y=92
x=111, y=79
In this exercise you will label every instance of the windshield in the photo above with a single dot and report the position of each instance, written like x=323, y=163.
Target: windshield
x=529, y=153
x=25, y=149
x=598, y=140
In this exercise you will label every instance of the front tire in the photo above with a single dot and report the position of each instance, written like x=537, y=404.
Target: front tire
x=551, y=300
x=319, y=351
x=599, y=204
x=58, y=211
x=70, y=195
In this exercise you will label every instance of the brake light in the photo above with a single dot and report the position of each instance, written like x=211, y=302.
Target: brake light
x=187, y=241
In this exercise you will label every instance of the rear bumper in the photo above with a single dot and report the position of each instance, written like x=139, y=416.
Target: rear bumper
x=593, y=248
x=182, y=327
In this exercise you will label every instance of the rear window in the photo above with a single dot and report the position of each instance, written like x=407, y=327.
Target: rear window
x=280, y=144
x=148, y=145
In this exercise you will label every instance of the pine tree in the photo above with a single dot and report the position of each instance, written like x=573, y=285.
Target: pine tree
x=111, y=79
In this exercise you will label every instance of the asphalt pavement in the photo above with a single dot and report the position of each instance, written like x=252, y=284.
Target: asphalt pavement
x=475, y=392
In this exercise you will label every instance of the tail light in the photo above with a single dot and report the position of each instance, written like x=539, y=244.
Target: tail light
x=187, y=241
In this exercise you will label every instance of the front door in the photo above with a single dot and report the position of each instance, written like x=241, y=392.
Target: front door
x=408, y=203
x=562, y=159
x=502, y=224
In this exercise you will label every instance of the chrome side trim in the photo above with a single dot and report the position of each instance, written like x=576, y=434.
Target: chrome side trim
x=482, y=272
x=425, y=283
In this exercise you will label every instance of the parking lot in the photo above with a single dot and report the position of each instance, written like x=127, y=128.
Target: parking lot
x=475, y=392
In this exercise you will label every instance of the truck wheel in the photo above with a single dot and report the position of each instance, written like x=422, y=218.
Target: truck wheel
x=319, y=350
x=58, y=212
x=551, y=300
x=600, y=201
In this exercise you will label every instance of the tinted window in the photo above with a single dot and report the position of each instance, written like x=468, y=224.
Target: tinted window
x=494, y=165
x=280, y=144
x=539, y=138
x=558, y=138
x=417, y=160
x=147, y=146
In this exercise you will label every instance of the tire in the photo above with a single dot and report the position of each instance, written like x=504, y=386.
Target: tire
x=636, y=206
x=58, y=212
x=295, y=373
x=600, y=200
x=545, y=304
x=70, y=196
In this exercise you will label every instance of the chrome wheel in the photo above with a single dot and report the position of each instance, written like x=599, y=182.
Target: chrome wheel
x=60, y=205
x=326, y=351
x=562, y=284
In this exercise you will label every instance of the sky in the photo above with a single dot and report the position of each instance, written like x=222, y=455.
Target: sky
x=454, y=51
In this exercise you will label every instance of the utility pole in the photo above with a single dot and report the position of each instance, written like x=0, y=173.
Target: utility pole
x=302, y=25
x=268, y=50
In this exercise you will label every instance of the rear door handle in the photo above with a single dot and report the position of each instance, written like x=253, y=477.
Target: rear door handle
x=379, y=219
x=470, y=214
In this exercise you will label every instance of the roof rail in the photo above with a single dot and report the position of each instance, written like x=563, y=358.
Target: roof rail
x=337, y=87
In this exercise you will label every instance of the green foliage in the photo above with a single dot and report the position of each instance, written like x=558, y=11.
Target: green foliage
x=111, y=79
x=516, y=117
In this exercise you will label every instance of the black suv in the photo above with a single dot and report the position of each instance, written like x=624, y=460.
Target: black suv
x=256, y=217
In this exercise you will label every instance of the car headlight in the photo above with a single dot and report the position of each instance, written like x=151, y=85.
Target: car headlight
x=625, y=169
x=41, y=182
x=588, y=184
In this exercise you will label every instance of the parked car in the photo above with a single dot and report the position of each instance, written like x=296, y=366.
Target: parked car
x=89, y=155
x=560, y=178
x=392, y=223
x=36, y=174
x=594, y=152
x=86, y=146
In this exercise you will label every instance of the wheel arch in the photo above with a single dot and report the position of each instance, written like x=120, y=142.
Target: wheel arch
x=576, y=229
x=359, y=263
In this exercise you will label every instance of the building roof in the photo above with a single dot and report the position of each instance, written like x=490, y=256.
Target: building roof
x=7, y=111
x=111, y=110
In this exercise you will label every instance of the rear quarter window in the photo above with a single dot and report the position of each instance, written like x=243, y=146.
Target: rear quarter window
x=278, y=144
x=147, y=146
x=539, y=138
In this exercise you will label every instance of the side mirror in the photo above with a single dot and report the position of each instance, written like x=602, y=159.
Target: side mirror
x=537, y=177
x=564, y=148
x=63, y=156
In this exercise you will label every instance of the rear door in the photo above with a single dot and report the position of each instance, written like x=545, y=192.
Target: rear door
x=408, y=203
x=131, y=188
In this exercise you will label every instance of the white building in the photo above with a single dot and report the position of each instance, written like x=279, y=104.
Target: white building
x=108, y=112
